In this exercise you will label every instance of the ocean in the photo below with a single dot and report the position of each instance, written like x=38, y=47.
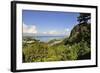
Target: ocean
x=48, y=38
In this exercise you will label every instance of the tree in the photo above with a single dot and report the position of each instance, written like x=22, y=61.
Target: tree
x=84, y=17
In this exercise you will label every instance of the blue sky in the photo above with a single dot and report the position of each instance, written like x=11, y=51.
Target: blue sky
x=48, y=22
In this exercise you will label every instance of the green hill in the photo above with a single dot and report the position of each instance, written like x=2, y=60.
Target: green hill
x=81, y=32
x=80, y=35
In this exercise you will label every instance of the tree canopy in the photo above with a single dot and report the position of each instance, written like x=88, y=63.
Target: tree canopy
x=84, y=17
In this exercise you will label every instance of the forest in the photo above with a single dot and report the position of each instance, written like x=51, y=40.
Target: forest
x=75, y=47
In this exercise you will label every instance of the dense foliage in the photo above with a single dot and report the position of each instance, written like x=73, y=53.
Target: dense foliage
x=84, y=17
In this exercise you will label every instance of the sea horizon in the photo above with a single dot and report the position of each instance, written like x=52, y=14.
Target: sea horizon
x=45, y=38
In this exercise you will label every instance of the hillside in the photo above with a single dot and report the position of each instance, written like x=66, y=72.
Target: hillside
x=80, y=34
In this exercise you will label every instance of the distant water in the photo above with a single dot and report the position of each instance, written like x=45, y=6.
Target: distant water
x=48, y=38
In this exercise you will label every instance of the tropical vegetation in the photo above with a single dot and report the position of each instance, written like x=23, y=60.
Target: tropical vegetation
x=75, y=47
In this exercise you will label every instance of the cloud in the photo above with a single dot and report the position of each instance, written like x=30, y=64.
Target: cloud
x=45, y=32
x=67, y=30
x=29, y=29
x=52, y=32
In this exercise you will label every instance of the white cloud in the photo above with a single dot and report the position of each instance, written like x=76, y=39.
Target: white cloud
x=67, y=30
x=53, y=32
x=29, y=29
x=45, y=32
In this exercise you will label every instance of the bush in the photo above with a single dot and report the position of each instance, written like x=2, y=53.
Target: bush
x=42, y=52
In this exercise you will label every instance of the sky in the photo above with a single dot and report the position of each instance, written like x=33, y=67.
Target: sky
x=48, y=22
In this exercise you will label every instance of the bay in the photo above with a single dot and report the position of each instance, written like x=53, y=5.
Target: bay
x=48, y=38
